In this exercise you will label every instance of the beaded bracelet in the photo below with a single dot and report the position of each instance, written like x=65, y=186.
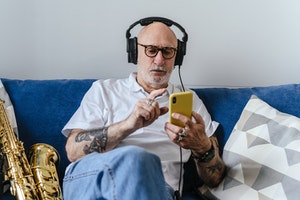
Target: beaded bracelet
x=205, y=157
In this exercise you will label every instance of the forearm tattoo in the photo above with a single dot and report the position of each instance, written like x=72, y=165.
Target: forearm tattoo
x=213, y=174
x=213, y=171
x=98, y=138
x=217, y=166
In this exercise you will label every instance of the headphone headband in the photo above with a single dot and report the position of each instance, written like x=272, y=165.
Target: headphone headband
x=132, y=42
x=148, y=20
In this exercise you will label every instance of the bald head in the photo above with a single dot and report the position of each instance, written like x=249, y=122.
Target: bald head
x=158, y=34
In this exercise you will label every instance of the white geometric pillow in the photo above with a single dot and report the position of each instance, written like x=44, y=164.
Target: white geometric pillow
x=262, y=155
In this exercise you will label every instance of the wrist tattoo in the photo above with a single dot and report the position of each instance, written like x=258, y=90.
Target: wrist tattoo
x=98, y=138
x=216, y=167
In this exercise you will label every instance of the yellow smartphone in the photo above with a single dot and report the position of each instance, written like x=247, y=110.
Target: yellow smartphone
x=180, y=102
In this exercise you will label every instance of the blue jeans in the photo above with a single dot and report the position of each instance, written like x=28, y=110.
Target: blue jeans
x=123, y=173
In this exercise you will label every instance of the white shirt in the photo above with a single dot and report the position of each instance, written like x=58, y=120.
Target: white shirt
x=112, y=100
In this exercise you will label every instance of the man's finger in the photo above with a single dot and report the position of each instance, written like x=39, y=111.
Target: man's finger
x=156, y=93
x=198, y=118
x=163, y=110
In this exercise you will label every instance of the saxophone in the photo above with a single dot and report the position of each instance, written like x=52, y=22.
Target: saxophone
x=35, y=181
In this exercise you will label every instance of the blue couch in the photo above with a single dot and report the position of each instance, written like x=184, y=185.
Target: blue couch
x=42, y=108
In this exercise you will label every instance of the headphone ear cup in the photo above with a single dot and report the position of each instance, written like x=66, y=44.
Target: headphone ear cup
x=132, y=50
x=181, y=50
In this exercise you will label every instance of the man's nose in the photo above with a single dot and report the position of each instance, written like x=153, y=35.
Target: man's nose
x=159, y=59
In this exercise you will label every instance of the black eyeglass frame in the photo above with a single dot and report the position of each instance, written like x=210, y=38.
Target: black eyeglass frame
x=163, y=49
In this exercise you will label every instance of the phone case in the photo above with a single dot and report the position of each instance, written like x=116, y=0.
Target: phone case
x=181, y=102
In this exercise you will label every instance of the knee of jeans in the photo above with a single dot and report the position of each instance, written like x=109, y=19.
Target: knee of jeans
x=140, y=155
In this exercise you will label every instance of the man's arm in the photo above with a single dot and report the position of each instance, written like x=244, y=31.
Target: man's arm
x=82, y=142
x=210, y=166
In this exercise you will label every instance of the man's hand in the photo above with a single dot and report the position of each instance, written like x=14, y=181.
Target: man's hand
x=195, y=139
x=146, y=111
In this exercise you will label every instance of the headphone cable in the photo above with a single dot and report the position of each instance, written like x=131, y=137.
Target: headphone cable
x=177, y=192
x=179, y=74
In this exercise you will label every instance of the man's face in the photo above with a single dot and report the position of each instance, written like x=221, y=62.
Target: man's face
x=154, y=72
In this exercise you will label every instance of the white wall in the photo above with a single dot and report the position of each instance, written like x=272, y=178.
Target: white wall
x=231, y=42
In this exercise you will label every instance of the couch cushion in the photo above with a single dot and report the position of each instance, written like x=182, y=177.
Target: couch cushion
x=262, y=155
x=226, y=104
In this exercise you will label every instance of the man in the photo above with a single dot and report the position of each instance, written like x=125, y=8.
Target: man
x=120, y=142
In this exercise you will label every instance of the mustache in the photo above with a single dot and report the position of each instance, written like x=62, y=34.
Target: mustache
x=158, y=68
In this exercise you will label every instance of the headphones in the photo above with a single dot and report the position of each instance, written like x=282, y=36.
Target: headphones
x=132, y=49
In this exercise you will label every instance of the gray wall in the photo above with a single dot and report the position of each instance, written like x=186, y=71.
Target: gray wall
x=231, y=42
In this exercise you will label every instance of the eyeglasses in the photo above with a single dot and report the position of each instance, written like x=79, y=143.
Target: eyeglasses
x=151, y=51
